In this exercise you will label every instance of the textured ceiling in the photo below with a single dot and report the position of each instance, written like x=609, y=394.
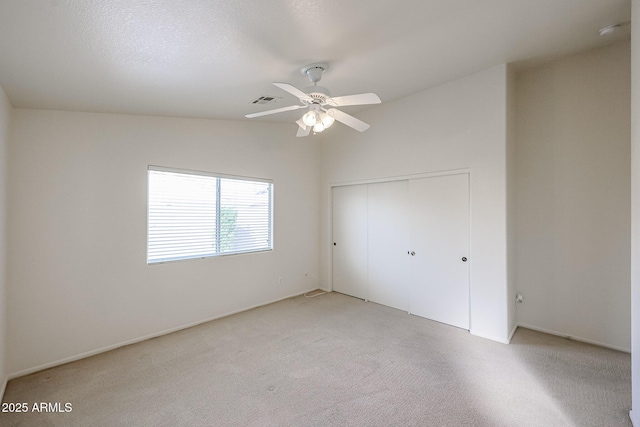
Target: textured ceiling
x=211, y=58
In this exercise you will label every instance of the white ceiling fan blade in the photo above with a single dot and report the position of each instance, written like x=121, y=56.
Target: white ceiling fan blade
x=361, y=99
x=293, y=91
x=348, y=120
x=277, y=110
x=303, y=130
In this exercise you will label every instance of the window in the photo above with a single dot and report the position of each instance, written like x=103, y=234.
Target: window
x=197, y=215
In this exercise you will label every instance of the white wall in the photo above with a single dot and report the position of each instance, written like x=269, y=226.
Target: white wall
x=78, y=279
x=461, y=124
x=5, y=116
x=635, y=212
x=573, y=180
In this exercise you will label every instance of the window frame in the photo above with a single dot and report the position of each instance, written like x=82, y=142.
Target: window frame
x=218, y=177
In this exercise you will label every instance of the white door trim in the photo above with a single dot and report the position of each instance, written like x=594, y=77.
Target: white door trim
x=402, y=177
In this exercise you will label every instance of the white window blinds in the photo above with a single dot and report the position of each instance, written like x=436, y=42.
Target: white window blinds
x=197, y=215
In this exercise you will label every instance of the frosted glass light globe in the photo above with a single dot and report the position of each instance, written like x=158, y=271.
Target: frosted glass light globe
x=310, y=118
x=327, y=121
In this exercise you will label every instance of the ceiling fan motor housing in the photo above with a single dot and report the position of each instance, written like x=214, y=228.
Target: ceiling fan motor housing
x=318, y=94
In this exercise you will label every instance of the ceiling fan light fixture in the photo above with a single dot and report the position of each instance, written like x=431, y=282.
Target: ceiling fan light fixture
x=310, y=118
x=320, y=105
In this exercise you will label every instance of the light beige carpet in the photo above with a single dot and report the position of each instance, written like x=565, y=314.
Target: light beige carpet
x=334, y=360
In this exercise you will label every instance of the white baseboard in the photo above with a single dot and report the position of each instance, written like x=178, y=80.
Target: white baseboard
x=495, y=338
x=140, y=339
x=513, y=331
x=575, y=338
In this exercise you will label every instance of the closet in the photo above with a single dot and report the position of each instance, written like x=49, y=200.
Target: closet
x=405, y=244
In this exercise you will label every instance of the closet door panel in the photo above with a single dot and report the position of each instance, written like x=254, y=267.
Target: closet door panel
x=350, y=240
x=387, y=248
x=440, y=240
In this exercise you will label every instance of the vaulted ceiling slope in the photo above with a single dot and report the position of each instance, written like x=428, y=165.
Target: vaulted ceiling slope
x=212, y=58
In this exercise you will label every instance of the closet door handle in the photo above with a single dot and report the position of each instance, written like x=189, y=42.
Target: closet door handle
x=412, y=253
x=464, y=259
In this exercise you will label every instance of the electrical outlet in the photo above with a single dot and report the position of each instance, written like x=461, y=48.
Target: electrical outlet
x=519, y=299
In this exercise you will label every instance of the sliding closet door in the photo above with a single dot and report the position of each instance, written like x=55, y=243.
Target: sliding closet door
x=388, y=241
x=440, y=245
x=350, y=240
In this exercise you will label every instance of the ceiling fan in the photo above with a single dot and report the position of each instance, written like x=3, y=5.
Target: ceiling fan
x=321, y=112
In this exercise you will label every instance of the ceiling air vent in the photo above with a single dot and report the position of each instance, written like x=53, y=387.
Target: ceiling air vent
x=265, y=100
